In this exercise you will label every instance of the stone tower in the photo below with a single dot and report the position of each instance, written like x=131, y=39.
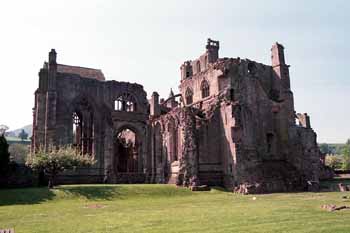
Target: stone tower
x=279, y=65
x=281, y=72
x=212, y=50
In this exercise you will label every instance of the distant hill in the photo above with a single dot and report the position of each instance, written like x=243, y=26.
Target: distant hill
x=14, y=133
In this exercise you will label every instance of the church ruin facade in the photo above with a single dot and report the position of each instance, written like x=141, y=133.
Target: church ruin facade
x=232, y=124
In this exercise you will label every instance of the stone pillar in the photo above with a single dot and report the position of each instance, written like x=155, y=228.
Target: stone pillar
x=281, y=69
x=50, y=119
x=157, y=153
x=109, y=154
x=154, y=105
x=188, y=169
x=146, y=153
x=236, y=144
x=86, y=131
x=43, y=77
x=39, y=120
x=142, y=150
x=39, y=110
x=148, y=161
x=51, y=99
x=281, y=72
x=32, y=143
x=52, y=70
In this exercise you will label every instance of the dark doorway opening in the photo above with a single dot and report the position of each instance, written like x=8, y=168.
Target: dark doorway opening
x=126, y=152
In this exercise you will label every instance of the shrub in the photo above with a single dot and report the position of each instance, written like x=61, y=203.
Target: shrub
x=4, y=155
x=324, y=148
x=334, y=161
x=23, y=135
x=54, y=161
x=18, y=152
x=346, y=156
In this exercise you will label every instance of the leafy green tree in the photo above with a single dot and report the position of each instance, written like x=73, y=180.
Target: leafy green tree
x=4, y=155
x=334, y=161
x=324, y=148
x=23, y=135
x=346, y=155
x=55, y=161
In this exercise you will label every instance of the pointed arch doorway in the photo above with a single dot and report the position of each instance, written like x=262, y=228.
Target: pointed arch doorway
x=126, y=151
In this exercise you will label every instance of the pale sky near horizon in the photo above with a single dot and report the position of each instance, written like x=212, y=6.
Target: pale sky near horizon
x=146, y=42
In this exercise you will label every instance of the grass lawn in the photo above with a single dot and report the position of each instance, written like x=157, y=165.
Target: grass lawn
x=165, y=208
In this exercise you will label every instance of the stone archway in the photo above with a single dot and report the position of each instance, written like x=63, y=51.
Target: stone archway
x=126, y=152
x=81, y=117
x=127, y=140
x=128, y=155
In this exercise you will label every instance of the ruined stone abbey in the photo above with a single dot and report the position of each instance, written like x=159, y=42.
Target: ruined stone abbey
x=232, y=124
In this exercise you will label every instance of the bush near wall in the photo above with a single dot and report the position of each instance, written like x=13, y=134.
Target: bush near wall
x=19, y=152
x=19, y=176
x=334, y=161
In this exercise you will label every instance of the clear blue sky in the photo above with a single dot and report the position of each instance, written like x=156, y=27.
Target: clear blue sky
x=146, y=42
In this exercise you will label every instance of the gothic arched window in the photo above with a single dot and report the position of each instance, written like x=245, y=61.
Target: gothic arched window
x=125, y=102
x=198, y=66
x=77, y=132
x=83, y=127
x=205, y=89
x=189, y=96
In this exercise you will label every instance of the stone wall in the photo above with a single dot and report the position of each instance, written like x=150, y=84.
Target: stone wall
x=19, y=176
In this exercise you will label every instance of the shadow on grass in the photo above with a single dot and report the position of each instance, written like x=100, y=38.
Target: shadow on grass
x=92, y=192
x=29, y=196
x=25, y=196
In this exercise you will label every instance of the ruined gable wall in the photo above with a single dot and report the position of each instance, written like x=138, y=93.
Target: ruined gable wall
x=166, y=146
x=210, y=147
x=194, y=83
x=255, y=118
x=70, y=90
x=107, y=122
x=101, y=95
x=304, y=152
x=271, y=149
x=204, y=160
x=252, y=84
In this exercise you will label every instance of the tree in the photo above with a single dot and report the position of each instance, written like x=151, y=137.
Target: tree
x=18, y=152
x=3, y=129
x=346, y=155
x=54, y=161
x=324, y=148
x=23, y=135
x=4, y=155
x=334, y=161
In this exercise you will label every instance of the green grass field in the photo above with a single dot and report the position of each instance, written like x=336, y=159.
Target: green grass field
x=165, y=208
